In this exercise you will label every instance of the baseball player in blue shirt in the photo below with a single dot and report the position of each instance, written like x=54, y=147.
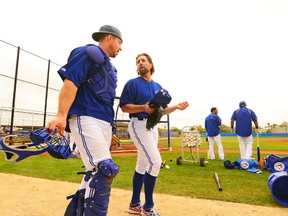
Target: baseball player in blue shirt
x=244, y=117
x=135, y=98
x=212, y=126
x=86, y=101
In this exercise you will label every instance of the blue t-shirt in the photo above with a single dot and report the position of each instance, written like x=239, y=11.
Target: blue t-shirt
x=244, y=118
x=212, y=123
x=139, y=91
x=77, y=70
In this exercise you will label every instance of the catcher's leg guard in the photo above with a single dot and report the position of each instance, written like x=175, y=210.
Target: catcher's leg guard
x=76, y=205
x=96, y=204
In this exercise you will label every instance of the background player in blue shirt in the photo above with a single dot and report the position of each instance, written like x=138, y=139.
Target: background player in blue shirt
x=86, y=102
x=136, y=95
x=212, y=126
x=244, y=117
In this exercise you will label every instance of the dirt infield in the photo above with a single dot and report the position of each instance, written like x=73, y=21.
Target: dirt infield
x=27, y=196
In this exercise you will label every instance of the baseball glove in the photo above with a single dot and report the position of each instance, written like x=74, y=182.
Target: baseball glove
x=155, y=117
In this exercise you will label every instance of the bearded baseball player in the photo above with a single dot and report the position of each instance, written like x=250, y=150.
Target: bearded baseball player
x=86, y=101
x=137, y=94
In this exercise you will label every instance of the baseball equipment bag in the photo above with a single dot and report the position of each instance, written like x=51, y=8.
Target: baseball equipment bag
x=275, y=163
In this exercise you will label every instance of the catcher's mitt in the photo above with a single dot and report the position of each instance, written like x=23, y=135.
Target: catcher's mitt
x=155, y=117
x=160, y=99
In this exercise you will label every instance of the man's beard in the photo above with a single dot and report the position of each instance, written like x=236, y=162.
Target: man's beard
x=143, y=71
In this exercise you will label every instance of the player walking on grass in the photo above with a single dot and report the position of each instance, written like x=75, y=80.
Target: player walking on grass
x=136, y=95
x=244, y=117
x=212, y=126
x=86, y=101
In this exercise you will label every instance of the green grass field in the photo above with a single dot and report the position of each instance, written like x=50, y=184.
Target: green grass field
x=188, y=179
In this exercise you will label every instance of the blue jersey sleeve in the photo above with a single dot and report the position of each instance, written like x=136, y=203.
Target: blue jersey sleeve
x=127, y=95
x=77, y=67
x=253, y=116
x=218, y=119
x=95, y=54
x=233, y=117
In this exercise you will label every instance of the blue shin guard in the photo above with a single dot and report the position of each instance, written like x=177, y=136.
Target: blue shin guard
x=76, y=205
x=100, y=186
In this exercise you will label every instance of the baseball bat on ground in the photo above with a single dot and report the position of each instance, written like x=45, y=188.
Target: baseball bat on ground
x=258, y=149
x=217, y=181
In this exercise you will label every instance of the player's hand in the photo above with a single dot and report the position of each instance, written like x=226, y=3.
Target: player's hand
x=149, y=108
x=57, y=122
x=182, y=106
x=232, y=130
x=257, y=131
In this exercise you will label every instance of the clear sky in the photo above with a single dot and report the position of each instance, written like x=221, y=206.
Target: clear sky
x=208, y=52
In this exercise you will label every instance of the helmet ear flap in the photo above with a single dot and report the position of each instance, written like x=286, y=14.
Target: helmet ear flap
x=228, y=164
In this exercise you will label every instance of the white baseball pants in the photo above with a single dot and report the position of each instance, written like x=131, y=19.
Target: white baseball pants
x=146, y=141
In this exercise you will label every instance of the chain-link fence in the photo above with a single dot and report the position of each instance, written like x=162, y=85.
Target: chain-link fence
x=29, y=87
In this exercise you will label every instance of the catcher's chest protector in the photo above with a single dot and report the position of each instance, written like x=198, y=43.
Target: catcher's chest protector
x=102, y=82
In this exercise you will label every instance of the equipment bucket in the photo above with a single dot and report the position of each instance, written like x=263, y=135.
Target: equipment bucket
x=278, y=184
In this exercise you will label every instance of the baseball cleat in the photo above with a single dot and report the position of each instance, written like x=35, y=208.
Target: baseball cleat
x=151, y=212
x=135, y=209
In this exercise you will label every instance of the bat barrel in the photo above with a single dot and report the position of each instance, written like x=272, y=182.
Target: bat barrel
x=217, y=179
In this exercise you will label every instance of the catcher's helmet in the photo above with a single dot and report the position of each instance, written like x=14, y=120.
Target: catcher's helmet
x=41, y=141
x=228, y=164
x=242, y=104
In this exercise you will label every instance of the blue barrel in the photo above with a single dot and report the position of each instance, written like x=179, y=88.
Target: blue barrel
x=278, y=184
